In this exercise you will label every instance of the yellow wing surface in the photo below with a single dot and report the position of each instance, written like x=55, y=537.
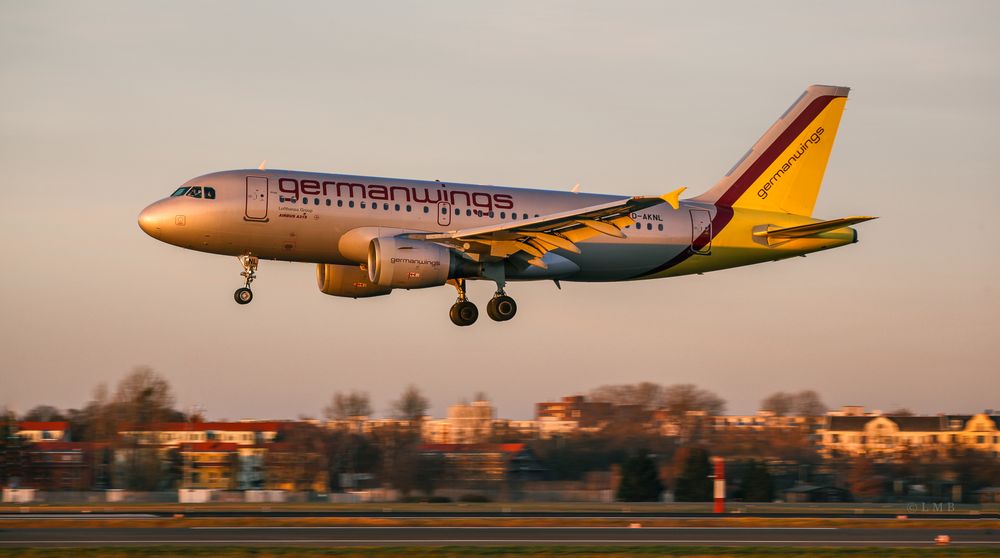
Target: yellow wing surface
x=531, y=239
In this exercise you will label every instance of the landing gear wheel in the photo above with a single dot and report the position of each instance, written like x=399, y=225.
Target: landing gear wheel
x=501, y=308
x=243, y=295
x=463, y=313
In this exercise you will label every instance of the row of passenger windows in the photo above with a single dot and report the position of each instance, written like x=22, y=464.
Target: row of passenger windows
x=408, y=208
x=649, y=226
x=195, y=192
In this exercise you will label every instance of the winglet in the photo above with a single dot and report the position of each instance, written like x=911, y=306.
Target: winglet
x=674, y=198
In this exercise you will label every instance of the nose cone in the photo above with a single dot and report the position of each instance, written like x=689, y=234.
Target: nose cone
x=151, y=220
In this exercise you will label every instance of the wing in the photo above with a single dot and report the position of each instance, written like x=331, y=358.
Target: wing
x=530, y=239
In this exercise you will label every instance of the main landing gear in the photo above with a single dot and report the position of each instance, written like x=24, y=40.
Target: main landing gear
x=464, y=313
x=244, y=295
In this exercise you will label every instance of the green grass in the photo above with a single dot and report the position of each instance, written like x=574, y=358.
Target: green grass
x=497, y=551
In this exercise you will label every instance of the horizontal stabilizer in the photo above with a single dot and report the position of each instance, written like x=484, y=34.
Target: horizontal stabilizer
x=812, y=229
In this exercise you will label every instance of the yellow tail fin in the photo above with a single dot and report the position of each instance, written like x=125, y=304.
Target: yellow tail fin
x=784, y=169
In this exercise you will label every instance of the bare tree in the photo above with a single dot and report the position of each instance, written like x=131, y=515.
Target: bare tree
x=144, y=397
x=645, y=394
x=348, y=405
x=805, y=403
x=808, y=404
x=678, y=399
x=43, y=413
x=412, y=405
x=779, y=403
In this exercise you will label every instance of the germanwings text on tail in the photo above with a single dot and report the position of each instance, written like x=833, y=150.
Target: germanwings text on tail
x=368, y=236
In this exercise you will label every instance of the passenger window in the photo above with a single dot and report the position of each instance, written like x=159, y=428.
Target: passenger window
x=397, y=207
x=179, y=192
x=305, y=201
x=209, y=193
x=660, y=226
x=385, y=206
x=315, y=201
x=458, y=211
x=409, y=209
x=362, y=205
x=281, y=199
x=503, y=214
x=513, y=216
x=328, y=202
x=340, y=203
x=491, y=214
x=350, y=203
x=649, y=226
x=195, y=192
x=525, y=216
x=468, y=213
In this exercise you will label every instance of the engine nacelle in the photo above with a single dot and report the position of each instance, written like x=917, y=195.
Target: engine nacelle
x=395, y=262
x=347, y=280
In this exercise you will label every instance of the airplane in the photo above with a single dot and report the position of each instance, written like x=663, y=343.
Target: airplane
x=370, y=235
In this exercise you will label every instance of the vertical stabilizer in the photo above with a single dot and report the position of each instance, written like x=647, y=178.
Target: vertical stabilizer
x=783, y=171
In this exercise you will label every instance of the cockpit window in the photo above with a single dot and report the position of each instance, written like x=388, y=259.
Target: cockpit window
x=179, y=192
x=195, y=192
x=209, y=193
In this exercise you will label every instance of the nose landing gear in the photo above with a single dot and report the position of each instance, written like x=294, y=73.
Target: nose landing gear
x=244, y=295
x=463, y=312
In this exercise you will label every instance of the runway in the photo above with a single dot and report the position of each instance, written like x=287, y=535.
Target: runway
x=492, y=536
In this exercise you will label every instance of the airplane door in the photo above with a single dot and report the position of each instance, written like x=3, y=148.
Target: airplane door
x=444, y=214
x=256, y=198
x=701, y=232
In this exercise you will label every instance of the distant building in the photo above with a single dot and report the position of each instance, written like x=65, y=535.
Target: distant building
x=481, y=465
x=56, y=465
x=286, y=468
x=210, y=465
x=173, y=434
x=887, y=436
x=467, y=423
x=576, y=408
x=43, y=431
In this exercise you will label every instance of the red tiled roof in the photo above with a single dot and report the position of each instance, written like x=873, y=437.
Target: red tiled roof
x=471, y=448
x=270, y=426
x=35, y=425
x=210, y=446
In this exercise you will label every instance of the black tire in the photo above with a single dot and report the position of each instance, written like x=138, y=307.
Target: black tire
x=243, y=295
x=501, y=308
x=463, y=313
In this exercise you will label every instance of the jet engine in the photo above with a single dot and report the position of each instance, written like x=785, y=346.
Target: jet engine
x=395, y=262
x=348, y=281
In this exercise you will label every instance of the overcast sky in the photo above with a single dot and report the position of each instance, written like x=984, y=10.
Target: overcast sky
x=106, y=107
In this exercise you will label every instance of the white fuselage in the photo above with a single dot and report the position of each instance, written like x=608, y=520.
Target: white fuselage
x=306, y=217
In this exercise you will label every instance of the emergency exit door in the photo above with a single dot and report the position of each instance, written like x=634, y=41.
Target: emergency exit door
x=256, y=198
x=701, y=232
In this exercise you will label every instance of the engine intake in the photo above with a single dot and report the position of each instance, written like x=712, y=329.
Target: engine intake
x=395, y=262
x=348, y=281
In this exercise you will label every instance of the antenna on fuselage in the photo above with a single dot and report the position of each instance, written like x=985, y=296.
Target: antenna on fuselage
x=575, y=189
x=263, y=165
